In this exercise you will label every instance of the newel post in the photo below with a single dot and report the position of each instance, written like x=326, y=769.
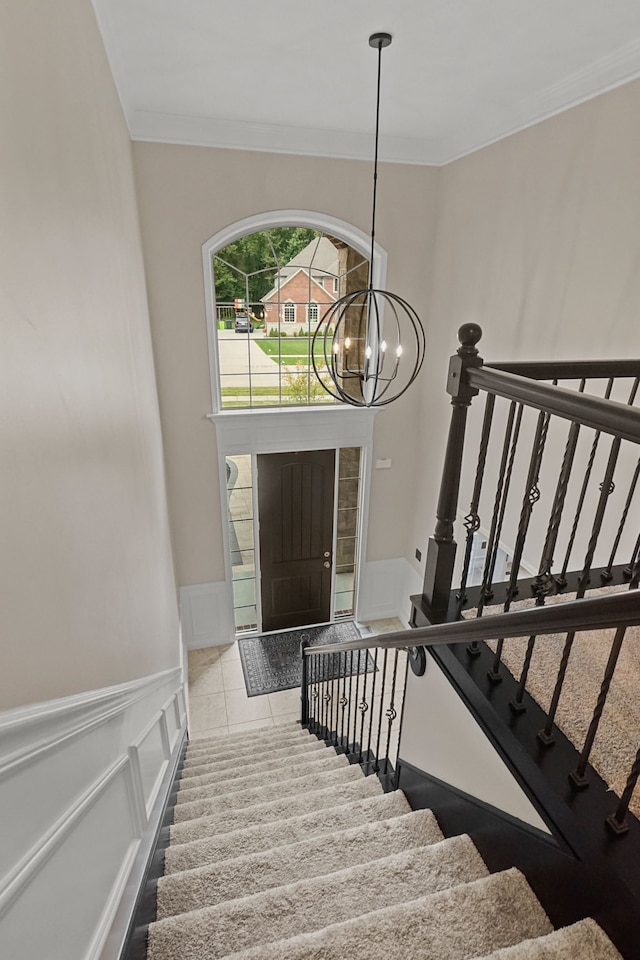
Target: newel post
x=441, y=551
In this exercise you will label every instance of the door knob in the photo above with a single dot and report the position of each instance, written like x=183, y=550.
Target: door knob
x=326, y=564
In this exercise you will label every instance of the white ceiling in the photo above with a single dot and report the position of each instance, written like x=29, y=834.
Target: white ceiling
x=300, y=77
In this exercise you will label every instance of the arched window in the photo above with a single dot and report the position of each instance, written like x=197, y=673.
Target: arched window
x=266, y=277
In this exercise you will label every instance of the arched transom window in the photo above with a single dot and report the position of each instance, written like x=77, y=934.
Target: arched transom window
x=272, y=290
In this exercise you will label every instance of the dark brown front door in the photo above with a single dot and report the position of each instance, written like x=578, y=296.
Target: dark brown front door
x=295, y=502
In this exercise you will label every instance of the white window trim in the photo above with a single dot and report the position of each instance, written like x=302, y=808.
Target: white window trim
x=286, y=304
x=316, y=305
x=352, y=235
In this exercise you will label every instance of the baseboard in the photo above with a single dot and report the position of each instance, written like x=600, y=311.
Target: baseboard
x=385, y=588
x=206, y=615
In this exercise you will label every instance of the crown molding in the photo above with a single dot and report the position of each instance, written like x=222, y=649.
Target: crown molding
x=607, y=73
x=267, y=138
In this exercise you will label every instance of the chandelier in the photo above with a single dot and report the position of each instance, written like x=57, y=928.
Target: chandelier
x=371, y=341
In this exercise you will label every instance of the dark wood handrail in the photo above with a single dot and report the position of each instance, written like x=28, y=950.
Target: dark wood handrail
x=597, y=613
x=609, y=416
x=569, y=369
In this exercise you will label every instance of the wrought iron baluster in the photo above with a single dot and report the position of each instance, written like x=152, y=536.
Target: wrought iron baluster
x=391, y=712
x=606, y=576
x=543, y=579
x=304, y=685
x=332, y=673
x=355, y=705
x=363, y=706
x=347, y=750
x=343, y=698
x=546, y=735
x=376, y=765
x=373, y=701
x=504, y=481
x=325, y=702
x=561, y=579
x=472, y=519
x=517, y=704
x=617, y=822
x=326, y=695
x=400, y=725
x=315, y=691
x=577, y=776
x=530, y=498
x=634, y=558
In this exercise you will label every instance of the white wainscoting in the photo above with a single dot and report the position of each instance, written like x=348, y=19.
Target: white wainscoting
x=385, y=588
x=80, y=780
x=206, y=615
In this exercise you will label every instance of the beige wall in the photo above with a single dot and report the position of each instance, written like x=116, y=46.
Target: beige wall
x=188, y=194
x=88, y=597
x=538, y=241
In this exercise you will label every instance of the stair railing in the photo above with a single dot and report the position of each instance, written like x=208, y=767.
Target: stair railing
x=353, y=693
x=556, y=458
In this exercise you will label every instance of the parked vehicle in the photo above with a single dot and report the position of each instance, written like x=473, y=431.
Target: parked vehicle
x=244, y=323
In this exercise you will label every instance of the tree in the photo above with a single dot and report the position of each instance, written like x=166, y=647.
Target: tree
x=247, y=267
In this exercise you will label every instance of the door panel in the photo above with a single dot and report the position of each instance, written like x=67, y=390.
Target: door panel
x=295, y=501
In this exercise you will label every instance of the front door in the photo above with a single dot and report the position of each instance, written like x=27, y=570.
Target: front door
x=295, y=503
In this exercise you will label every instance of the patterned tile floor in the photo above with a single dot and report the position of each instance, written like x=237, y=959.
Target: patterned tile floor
x=218, y=702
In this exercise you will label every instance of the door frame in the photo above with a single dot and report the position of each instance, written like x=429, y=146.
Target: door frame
x=284, y=431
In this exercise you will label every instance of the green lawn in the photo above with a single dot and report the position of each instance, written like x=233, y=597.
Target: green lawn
x=288, y=350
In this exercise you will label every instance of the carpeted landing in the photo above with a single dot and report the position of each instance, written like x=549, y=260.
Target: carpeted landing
x=282, y=850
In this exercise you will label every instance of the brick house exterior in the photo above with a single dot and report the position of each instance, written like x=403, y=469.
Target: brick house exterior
x=299, y=302
x=304, y=289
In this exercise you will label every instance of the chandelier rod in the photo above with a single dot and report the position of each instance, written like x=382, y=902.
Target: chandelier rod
x=378, y=40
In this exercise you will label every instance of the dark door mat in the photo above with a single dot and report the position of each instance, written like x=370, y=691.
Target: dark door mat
x=272, y=662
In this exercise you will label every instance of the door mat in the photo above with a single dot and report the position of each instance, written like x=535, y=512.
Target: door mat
x=272, y=662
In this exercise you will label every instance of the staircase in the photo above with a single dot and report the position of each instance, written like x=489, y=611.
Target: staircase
x=281, y=849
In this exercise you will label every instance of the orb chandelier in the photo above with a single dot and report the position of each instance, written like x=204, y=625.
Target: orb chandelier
x=371, y=341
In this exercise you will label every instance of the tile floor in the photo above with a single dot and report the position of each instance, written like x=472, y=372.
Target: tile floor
x=218, y=701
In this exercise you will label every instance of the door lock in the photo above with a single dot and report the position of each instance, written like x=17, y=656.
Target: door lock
x=327, y=553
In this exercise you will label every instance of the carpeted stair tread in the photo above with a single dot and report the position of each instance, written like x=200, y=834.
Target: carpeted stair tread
x=253, y=839
x=284, y=731
x=304, y=906
x=292, y=743
x=254, y=775
x=238, y=798
x=205, y=886
x=205, y=759
x=584, y=940
x=225, y=820
x=456, y=924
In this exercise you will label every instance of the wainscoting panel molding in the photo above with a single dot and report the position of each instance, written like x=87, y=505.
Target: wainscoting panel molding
x=79, y=779
x=206, y=615
x=385, y=588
